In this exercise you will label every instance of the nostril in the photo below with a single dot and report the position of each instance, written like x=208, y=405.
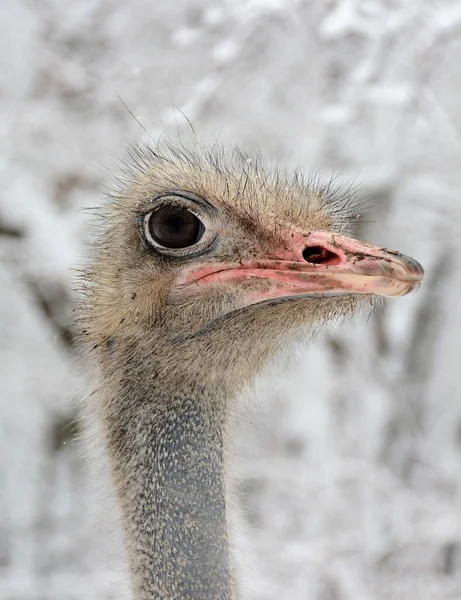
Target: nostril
x=320, y=256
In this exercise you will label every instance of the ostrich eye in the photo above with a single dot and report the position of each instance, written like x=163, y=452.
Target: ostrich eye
x=173, y=227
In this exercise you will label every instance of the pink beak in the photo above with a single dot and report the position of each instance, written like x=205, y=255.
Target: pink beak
x=317, y=264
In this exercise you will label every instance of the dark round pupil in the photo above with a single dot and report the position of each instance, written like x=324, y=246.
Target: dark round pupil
x=175, y=227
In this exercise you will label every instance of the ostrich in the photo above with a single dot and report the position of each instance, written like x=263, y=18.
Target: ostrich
x=205, y=268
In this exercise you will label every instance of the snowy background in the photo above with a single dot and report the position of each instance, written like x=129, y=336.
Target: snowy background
x=351, y=475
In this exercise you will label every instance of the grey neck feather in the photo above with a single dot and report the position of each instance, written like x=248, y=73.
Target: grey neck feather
x=171, y=486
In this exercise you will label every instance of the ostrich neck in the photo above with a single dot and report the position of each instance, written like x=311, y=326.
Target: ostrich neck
x=172, y=493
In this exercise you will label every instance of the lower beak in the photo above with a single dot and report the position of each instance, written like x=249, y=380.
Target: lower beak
x=317, y=264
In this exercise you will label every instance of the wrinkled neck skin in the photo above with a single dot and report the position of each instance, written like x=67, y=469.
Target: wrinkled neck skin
x=173, y=497
x=167, y=457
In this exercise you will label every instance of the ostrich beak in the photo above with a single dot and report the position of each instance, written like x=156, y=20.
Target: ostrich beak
x=316, y=264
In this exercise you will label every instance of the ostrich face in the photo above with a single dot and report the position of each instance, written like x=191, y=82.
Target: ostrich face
x=237, y=261
x=193, y=246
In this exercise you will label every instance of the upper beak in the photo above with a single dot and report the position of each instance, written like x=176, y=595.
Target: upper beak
x=317, y=264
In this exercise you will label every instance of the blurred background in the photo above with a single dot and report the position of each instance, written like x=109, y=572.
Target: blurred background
x=351, y=474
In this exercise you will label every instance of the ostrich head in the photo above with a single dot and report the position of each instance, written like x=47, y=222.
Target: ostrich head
x=204, y=270
x=225, y=262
